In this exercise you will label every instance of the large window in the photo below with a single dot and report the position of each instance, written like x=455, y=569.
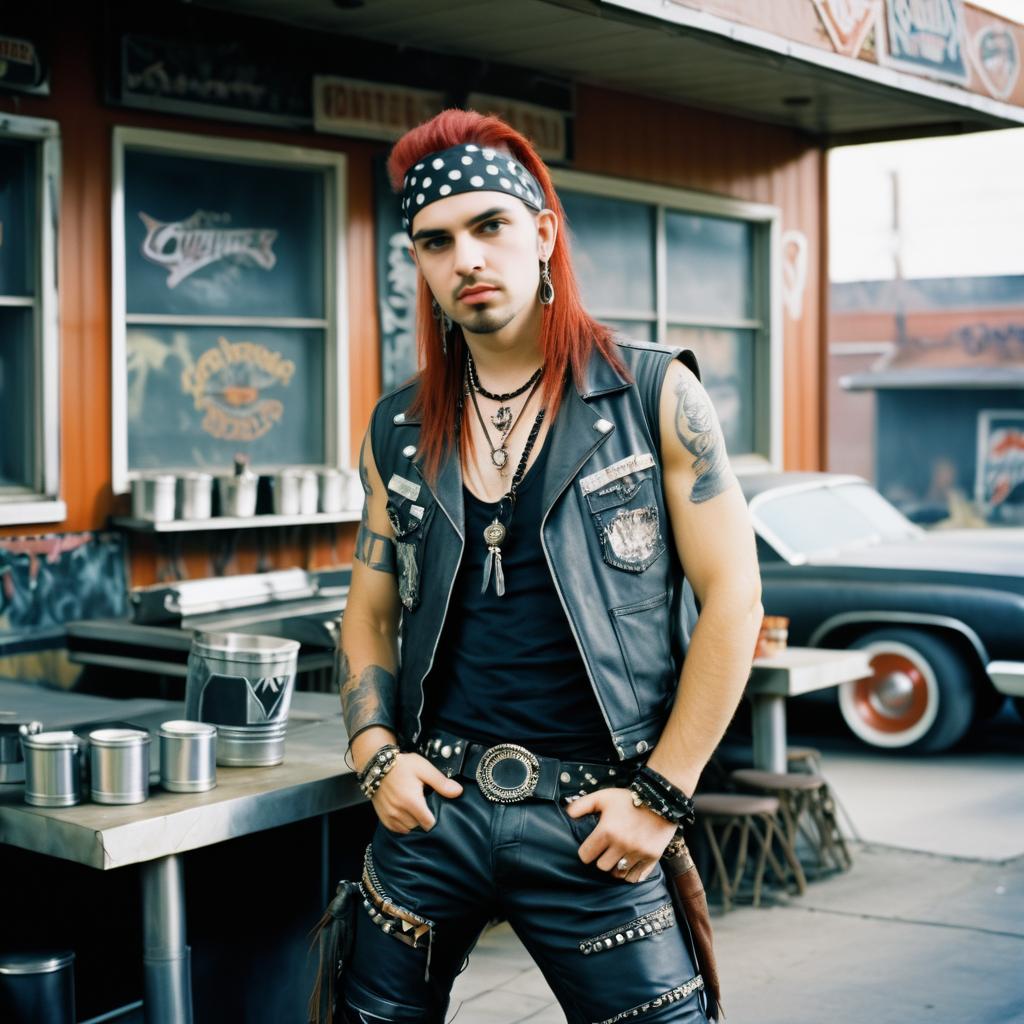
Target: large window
x=694, y=270
x=29, y=345
x=228, y=290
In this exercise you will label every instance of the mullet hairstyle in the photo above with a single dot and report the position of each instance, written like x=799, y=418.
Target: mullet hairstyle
x=568, y=332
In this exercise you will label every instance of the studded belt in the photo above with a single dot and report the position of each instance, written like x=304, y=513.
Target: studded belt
x=509, y=773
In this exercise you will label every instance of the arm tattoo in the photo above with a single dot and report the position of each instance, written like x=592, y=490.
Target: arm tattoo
x=374, y=549
x=370, y=698
x=702, y=438
x=364, y=477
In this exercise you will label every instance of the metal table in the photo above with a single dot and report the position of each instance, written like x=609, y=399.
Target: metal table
x=790, y=673
x=313, y=780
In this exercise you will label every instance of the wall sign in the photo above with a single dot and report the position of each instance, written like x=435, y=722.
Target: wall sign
x=209, y=78
x=999, y=477
x=848, y=22
x=21, y=67
x=544, y=127
x=371, y=110
x=927, y=37
x=996, y=56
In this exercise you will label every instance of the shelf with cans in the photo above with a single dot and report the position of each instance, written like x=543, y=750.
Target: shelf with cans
x=243, y=499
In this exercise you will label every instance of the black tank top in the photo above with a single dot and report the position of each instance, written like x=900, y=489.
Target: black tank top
x=507, y=668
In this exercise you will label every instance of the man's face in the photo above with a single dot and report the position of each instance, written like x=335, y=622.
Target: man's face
x=480, y=253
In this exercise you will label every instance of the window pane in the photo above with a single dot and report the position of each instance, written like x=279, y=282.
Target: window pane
x=198, y=396
x=710, y=266
x=211, y=237
x=17, y=217
x=636, y=330
x=613, y=252
x=17, y=393
x=726, y=359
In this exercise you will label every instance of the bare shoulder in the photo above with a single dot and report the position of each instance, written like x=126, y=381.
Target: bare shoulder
x=692, y=444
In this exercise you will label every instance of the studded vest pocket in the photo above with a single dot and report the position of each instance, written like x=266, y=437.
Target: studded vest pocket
x=625, y=515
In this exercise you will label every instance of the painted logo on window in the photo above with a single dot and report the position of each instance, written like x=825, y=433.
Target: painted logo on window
x=182, y=247
x=1000, y=473
x=226, y=382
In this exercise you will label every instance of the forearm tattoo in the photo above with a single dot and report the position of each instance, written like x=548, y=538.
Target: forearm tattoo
x=374, y=549
x=369, y=698
x=701, y=436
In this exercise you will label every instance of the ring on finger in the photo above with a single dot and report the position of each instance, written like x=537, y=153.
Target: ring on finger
x=623, y=864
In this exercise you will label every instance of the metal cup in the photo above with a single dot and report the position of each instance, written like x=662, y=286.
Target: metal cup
x=242, y=684
x=188, y=756
x=153, y=498
x=237, y=495
x=333, y=490
x=194, y=496
x=119, y=761
x=53, y=769
x=287, y=492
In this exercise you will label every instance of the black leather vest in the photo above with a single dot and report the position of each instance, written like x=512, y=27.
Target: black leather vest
x=605, y=534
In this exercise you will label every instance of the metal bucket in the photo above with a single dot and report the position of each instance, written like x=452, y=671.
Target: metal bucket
x=237, y=495
x=334, y=485
x=242, y=684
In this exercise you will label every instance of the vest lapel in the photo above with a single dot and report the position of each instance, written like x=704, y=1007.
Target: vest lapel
x=447, y=489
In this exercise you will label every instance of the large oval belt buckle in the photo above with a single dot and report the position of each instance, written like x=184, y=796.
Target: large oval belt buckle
x=507, y=773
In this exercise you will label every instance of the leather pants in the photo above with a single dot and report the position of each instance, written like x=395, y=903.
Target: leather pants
x=606, y=947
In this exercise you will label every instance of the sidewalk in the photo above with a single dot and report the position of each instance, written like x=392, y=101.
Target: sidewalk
x=922, y=930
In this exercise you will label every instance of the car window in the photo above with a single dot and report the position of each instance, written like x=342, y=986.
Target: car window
x=888, y=521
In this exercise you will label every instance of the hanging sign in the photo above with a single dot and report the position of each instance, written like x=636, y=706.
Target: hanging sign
x=370, y=110
x=543, y=126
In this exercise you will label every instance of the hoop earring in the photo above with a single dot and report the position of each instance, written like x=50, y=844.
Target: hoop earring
x=547, y=289
x=444, y=322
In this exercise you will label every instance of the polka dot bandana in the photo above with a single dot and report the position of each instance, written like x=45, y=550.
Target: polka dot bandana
x=466, y=168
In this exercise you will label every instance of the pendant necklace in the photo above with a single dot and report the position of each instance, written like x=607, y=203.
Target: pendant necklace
x=502, y=419
x=496, y=532
x=499, y=453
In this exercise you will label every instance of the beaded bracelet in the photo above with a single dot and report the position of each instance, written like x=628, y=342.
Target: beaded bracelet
x=651, y=790
x=377, y=767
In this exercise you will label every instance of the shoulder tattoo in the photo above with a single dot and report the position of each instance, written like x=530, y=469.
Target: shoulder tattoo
x=700, y=434
x=374, y=549
x=364, y=477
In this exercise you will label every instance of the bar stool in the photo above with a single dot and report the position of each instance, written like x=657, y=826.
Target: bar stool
x=37, y=986
x=804, y=759
x=802, y=795
x=723, y=815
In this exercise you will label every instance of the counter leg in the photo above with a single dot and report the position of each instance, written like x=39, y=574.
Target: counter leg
x=769, y=725
x=167, y=969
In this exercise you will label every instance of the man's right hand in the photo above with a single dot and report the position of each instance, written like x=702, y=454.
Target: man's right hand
x=400, y=801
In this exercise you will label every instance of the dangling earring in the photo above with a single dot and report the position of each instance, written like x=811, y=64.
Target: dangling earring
x=444, y=322
x=547, y=289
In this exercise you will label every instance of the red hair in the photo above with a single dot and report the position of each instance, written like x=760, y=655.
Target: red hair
x=568, y=332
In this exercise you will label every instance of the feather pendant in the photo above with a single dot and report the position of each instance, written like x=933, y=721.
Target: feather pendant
x=499, y=574
x=488, y=565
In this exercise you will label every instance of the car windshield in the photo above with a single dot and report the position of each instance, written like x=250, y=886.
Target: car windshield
x=823, y=521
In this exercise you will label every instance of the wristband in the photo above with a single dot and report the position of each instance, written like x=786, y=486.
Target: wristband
x=651, y=790
x=377, y=767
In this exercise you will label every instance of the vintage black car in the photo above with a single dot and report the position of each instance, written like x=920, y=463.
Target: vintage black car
x=941, y=611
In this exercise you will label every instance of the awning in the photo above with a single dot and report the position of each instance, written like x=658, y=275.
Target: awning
x=667, y=50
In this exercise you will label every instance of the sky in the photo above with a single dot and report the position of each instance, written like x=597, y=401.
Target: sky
x=961, y=207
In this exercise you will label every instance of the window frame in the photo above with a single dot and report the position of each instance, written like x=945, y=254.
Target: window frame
x=337, y=435
x=42, y=502
x=767, y=321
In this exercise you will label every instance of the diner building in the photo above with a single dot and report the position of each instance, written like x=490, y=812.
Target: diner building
x=203, y=274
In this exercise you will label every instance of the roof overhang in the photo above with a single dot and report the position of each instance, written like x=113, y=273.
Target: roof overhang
x=937, y=378
x=664, y=50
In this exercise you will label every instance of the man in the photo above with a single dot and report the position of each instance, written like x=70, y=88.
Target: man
x=531, y=498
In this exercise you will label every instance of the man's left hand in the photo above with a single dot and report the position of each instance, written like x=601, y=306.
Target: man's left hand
x=623, y=831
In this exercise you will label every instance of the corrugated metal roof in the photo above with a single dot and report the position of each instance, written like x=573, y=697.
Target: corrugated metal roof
x=744, y=72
